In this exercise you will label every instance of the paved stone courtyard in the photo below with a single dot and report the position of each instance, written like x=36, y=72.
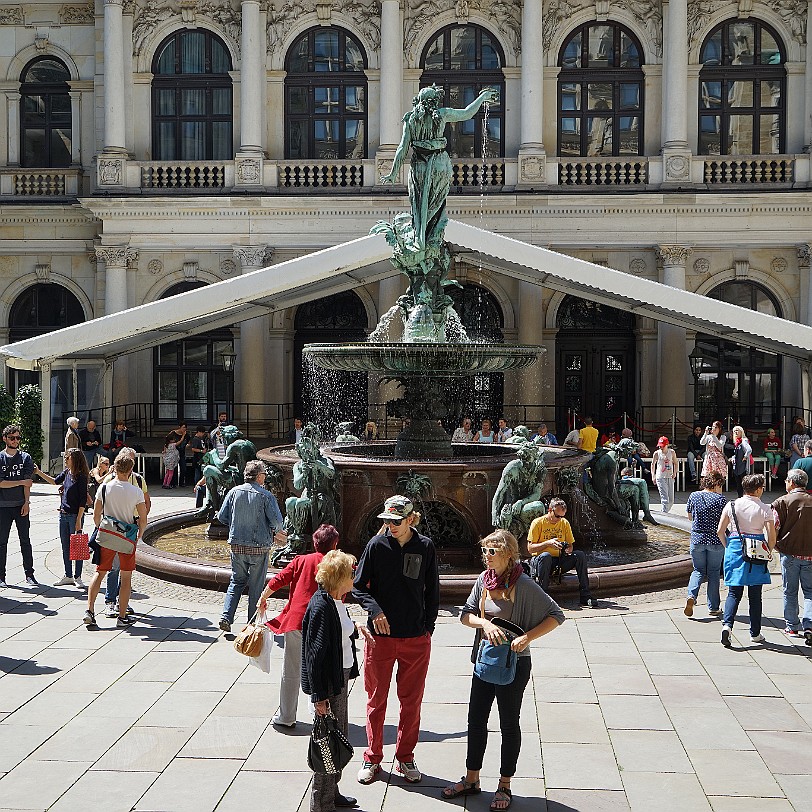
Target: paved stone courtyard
x=632, y=706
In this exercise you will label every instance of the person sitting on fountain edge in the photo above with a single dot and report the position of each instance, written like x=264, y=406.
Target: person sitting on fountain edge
x=463, y=433
x=551, y=537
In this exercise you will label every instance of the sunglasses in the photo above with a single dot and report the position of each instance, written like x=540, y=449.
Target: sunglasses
x=393, y=522
x=14, y=438
x=491, y=551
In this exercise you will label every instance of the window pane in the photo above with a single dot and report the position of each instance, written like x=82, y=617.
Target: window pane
x=599, y=96
x=35, y=151
x=166, y=61
x=601, y=41
x=710, y=94
x=168, y=354
x=193, y=52
x=167, y=394
x=60, y=147
x=326, y=100
x=571, y=96
x=354, y=99
x=764, y=304
x=218, y=348
x=60, y=103
x=166, y=141
x=299, y=56
x=193, y=102
x=599, y=135
x=463, y=48
x=325, y=51
x=46, y=71
x=195, y=351
x=297, y=100
x=326, y=139
x=709, y=138
x=221, y=141
x=461, y=139
x=712, y=50
x=297, y=140
x=221, y=101
x=572, y=53
x=193, y=141
x=629, y=54
x=434, y=55
x=490, y=55
x=165, y=102
x=493, y=147
x=771, y=94
x=355, y=59
x=220, y=61
x=769, y=135
x=629, y=136
x=741, y=44
x=740, y=135
x=354, y=139
x=740, y=94
x=629, y=96
x=770, y=52
x=570, y=143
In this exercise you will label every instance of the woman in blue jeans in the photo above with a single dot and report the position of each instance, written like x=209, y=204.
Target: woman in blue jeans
x=747, y=516
x=705, y=510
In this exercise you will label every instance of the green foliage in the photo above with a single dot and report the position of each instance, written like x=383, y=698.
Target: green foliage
x=7, y=410
x=29, y=416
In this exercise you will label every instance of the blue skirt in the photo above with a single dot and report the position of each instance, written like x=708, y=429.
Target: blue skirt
x=739, y=572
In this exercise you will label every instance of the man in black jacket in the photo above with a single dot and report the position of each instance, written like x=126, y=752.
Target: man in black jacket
x=398, y=583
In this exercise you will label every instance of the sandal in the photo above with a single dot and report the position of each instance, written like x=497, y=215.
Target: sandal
x=502, y=796
x=462, y=787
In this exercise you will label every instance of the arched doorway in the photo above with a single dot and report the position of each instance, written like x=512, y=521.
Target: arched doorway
x=190, y=381
x=320, y=395
x=738, y=382
x=595, y=354
x=479, y=311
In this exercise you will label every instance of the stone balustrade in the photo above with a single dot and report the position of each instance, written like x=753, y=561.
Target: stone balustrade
x=749, y=169
x=473, y=175
x=19, y=182
x=187, y=176
x=620, y=171
x=321, y=174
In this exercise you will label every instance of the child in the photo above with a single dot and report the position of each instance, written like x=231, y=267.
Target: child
x=773, y=451
x=664, y=472
x=170, y=457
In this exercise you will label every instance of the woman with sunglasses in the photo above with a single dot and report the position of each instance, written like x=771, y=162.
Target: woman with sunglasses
x=503, y=592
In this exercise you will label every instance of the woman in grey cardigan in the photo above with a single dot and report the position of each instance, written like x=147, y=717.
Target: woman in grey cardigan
x=512, y=596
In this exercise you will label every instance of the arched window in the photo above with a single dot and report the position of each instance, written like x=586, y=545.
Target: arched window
x=464, y=60
x=45, y=122
x=192, y=115
x=41, y=309
x=600, y=92
x=742, y=91
x=326, y=97
x=190, y=379
x=737, y=381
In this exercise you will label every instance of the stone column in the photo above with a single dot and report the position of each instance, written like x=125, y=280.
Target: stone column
x=673, y=373
x=13, y=101
x=111, y=164
x=249, y=159
x=804, y=263
x=391, y=84
x=808, y=83
x=76, y=127
x=251, y=360
x=115, y=260
x=532, y=157
x=676, y=151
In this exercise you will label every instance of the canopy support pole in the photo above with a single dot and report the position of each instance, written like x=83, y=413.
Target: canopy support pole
x=45, y=414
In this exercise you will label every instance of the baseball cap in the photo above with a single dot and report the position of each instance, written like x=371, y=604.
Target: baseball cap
x=396, y=507
x=662, y=441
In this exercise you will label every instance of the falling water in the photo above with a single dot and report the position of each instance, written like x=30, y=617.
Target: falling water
x=381, y=333
x=454, y=329
x=584, y=516
x=482, y=174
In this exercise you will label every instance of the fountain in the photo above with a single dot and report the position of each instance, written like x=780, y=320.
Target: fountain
x=463, y=489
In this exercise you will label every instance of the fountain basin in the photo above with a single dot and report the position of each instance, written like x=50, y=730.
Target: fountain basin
x=437, y=360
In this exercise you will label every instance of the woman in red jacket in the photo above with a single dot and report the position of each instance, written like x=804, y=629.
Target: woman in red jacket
x=300, y=576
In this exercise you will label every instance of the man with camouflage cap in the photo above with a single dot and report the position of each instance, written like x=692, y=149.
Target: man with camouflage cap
x=398, y=583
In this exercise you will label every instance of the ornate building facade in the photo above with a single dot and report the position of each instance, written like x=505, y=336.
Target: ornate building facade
x=152, y=146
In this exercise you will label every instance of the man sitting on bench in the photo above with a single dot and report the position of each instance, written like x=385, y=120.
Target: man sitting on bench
x=550, y=542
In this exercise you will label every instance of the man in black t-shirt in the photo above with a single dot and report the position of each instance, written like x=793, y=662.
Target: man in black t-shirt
x=16, y=478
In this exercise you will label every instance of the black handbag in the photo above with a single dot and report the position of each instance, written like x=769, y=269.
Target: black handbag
x=329, y=751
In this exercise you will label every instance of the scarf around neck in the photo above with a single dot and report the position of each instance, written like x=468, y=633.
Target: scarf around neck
x=506, y=580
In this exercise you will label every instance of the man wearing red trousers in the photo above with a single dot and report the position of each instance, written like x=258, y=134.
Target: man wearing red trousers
x=398, y=583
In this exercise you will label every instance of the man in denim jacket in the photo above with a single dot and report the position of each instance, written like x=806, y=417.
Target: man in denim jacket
x=252, y=516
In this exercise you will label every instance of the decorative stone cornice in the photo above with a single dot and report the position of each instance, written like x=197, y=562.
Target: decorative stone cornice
x=77, y=15
x=253, y=256
x=673, y=254
x=116, y=256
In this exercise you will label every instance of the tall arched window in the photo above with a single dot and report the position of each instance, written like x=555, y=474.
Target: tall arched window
x=190, y=380
x=742, y=91
x=45, y=122
x=600, y=92
x=326, y=97
x=737, y=381
x=192, y=115
x=464, y=60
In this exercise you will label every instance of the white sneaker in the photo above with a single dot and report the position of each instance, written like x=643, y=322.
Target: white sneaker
x=110, y=610
x=79, y=583
x=759, y=638
x=65, y=581
x=408, y=769
x=368, y=773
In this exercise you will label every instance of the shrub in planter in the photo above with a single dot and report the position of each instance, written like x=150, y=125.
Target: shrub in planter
x=29, y=416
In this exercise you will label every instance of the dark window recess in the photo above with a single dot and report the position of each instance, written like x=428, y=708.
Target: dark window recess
x=45, y=114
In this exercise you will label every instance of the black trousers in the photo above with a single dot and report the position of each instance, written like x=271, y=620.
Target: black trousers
x=9, y=516
x=541, y=567
x=509, y=703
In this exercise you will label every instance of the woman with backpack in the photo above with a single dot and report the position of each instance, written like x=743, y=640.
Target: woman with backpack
x=746, y=517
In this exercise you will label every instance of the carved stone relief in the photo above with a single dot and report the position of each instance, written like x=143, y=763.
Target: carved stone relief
x=637, y=265
x=699, y=12
x=804, y=255
x=111, y=171
x=794, y=13
x=701, y=266
x=556, y=13
x=12, y=15
x=778, y=265
x=534, y=168
x=650, y=15
x=673, y=254
x=677, y=167
x=283, y=14
x=76, y=15
x=155, y=266
x=43, y=272
x=253, y=256
x=228, y=266
x=248, y=170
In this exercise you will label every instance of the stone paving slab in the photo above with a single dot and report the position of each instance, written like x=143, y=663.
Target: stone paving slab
x=634, y=707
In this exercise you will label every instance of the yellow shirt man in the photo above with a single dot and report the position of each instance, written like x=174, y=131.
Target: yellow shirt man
x=589, y=438
x=547, y=528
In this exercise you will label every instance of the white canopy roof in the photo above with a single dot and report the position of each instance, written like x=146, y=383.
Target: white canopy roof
x=364, y=261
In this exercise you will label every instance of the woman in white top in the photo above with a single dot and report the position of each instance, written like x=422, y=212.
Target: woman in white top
x=714, y=442
x=740, y=461
x=485, y=434
x=664, y=472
